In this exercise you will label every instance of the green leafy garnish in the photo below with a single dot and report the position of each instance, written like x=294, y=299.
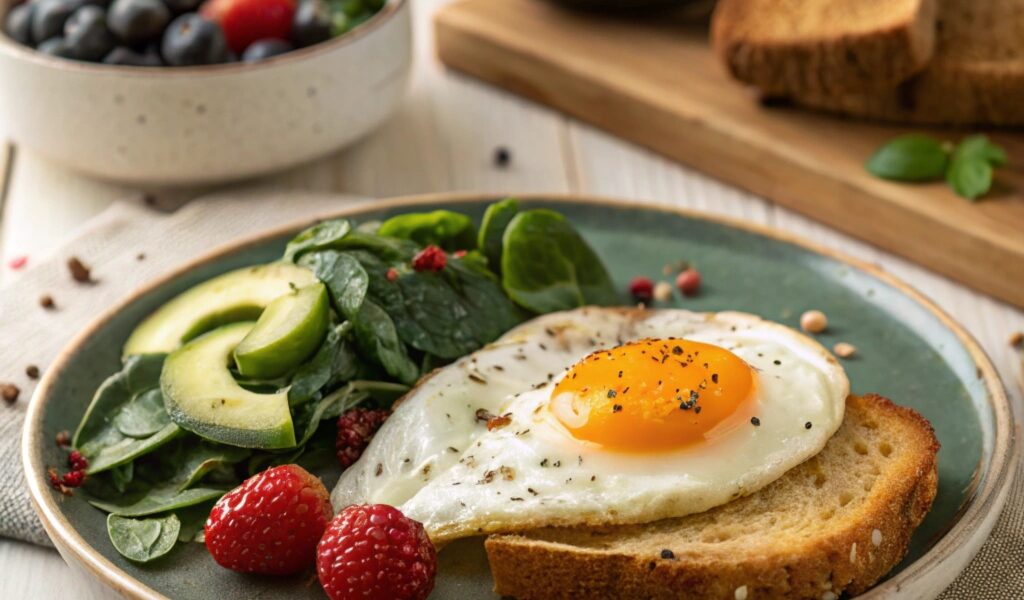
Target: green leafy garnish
x=444, y=228
x=160, y=499
x=546, y=265
x=492, y=230
x=967, y=168
x=143, y=540
x=913, y=157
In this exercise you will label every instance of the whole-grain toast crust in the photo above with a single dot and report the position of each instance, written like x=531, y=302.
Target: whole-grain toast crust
x=843, y=556
x=785, y=61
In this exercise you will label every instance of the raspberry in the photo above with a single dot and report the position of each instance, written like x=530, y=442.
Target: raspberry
x=688, y=282
x=77, y=462
x=356, y=427
x=430, y=258
x=375, y=552
x=392, y=274
x=642, y=289
x=271, y=523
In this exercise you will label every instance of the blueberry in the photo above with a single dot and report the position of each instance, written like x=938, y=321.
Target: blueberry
x=192, y=40
x=55, y=46
x=129, y=57
x=312, y=23
x=86, y=33
x=137, y=21
x=49, y=17
x=182, y=6
x=18, y=24
x=263, y=49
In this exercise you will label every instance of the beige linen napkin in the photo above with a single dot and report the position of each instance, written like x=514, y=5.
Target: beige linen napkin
x=111, y=243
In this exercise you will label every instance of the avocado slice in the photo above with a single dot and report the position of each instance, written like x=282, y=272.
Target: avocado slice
x=239, y=295
x=288, y=332
x=201, y=396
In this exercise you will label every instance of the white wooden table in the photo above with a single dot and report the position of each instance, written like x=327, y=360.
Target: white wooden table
x=443, y=138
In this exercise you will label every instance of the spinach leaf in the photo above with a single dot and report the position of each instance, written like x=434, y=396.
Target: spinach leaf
x=193, y=519
x=444, y=228
x=194, y=460
x=143, y=416
x=138, y=374
x=492, y=230
x=974, y=160
x=547, y=266
x=160, y=499
x=345, y=278
x=113, y=449
x=377, y=338
x=122, y=476
x=336, y=360
x=316, y=237
x=143, y=540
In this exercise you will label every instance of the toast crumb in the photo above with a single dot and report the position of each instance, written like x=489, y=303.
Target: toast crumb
x=835, y=524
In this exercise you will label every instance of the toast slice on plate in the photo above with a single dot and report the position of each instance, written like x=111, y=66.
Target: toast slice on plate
x=788, y=47
x=976, y=76
x=835, y=524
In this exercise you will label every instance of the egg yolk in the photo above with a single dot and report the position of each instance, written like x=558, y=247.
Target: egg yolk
x=652, y=395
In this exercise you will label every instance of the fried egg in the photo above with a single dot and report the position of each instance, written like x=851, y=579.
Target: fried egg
x=602, y=416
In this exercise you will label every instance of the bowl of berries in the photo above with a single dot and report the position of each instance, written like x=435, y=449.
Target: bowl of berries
x=173, y=92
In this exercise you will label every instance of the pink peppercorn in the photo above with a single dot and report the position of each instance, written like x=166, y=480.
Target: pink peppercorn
x=688, y=282
x=641, y=289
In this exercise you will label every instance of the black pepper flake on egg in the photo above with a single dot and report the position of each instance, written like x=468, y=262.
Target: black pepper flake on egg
x=612, y=393
x=755, y=421
x=807, y=425
x=777, y=362
x=677, y=350
x=667, y=554
x=616, y=408
x=714, y=378
x=620, y=374
x=544, y=463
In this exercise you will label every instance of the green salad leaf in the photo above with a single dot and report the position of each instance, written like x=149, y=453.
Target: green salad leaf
x=319, y=236
x=143, y=416
x=160, y=499
x=143, y=540
x=335, y=361
x=492, y=230
x=547, y=266
x=444, y=228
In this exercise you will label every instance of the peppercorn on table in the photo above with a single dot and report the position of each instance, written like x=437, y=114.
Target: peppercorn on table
x=450, y=134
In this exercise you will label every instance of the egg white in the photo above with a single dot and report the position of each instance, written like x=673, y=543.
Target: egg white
x=437, y=461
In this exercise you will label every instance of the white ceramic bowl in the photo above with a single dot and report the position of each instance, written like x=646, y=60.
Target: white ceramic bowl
x=168, y=126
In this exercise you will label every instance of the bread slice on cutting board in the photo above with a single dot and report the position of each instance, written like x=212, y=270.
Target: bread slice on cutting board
x=976, y=76
x=786, y=47
x=835, y=524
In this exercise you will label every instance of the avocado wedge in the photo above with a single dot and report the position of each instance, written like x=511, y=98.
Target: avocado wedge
x=201, y=396
x=288, y=332
x=239, y=295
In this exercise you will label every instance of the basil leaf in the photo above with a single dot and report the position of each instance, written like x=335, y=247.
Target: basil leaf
x=444, y=228
x=143, y=416
x=160, y=499
x=143, y=540
x=318, y=236
x=970, y=178
x=912, y=157
x=978, y=147
x=546, y=265
x=492, y=230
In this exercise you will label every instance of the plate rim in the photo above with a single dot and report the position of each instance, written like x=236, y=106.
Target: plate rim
x=968, y=532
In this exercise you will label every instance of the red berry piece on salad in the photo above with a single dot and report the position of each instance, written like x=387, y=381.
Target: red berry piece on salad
x=431, y=258
x=356, y=428
x=246, y=21
x=73, y=479
x=688, y=282
x=271, y=523
x=641, y=289
x=77, y=462
x=375, y=552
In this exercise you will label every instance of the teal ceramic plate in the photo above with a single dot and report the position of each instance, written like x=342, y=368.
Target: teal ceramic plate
x=908, y=350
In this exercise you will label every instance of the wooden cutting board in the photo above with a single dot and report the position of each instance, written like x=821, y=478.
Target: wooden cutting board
x=655, y=81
